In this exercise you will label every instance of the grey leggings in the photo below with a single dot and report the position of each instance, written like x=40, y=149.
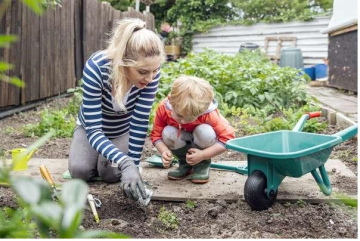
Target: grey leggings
x=86, y=163
x=203, y=136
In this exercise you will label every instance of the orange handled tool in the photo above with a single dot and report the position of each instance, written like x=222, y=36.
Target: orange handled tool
x=47, y=177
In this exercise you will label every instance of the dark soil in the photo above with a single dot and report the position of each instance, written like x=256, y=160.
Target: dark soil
x=208, y=219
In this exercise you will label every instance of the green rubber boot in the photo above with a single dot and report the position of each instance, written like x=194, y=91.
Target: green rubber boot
x=201, y=172
x=184, y=168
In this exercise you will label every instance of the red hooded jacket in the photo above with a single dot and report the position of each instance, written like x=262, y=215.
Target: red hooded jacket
x=212, y=117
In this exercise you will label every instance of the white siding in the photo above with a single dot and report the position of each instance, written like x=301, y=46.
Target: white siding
x=227, y=39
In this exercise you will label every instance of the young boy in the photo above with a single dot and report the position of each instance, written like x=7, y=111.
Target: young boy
x=188, y=125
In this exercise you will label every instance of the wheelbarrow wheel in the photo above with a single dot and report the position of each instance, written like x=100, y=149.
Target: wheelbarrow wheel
x=255, y=192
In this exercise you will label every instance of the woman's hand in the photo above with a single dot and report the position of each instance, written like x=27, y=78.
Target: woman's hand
x=166, y=158
x=194, y=156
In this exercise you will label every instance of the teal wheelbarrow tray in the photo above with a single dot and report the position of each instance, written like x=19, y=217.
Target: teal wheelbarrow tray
x=273, y=156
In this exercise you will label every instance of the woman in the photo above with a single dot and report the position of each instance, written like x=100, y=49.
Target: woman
x=119, y=87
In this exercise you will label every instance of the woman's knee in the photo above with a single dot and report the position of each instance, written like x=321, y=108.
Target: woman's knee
x=83, y=172
x=171, y=138
x=204, y=136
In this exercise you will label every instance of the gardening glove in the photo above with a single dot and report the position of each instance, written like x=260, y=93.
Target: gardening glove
x=131, y=181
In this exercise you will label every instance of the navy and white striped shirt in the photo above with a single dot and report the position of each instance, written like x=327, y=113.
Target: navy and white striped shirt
x=102, y=122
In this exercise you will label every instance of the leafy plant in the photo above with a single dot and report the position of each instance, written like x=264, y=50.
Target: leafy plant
x=59, y=120
x=190, y=204
x=168, y=219
x=38, y=214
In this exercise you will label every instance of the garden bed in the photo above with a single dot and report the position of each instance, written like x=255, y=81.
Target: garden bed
x=202, y=219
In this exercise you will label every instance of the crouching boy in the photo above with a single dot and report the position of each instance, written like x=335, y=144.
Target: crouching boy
x=188, y=125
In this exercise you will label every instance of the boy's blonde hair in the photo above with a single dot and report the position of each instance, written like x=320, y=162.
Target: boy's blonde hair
x=130, y=44
x=191, y=96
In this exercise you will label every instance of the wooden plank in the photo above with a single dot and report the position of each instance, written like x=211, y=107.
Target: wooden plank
x=5, y=57
x=223, y=185
x=72, y=80
x=63, y=49
x=25, y=56
x=52, y=39
x=33, y=86
x=45, y=61
x=15, y=53
x=56, y=82
x=79, y=52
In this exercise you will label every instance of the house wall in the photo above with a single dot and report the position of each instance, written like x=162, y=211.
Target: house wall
x=227, y=39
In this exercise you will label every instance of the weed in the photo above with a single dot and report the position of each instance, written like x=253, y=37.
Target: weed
x=9, y=130
x=190, y=204
x=346, y=199
x=168, y=219
x=301, y=203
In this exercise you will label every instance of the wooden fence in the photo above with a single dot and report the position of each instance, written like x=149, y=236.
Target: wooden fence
x=52, y=48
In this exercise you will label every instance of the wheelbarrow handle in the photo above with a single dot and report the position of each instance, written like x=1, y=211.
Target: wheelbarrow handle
x=348, y=132
x=300, y=124
x=314, y=114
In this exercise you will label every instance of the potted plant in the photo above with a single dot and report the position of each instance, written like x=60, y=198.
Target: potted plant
x=171, y=41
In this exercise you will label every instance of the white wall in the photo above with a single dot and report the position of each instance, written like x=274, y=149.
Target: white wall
x=227, y=39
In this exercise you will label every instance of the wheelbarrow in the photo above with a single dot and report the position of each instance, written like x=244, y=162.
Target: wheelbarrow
x=274, y=155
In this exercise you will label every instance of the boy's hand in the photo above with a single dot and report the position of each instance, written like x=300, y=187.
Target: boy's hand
x=166, y=158
x=194, y=156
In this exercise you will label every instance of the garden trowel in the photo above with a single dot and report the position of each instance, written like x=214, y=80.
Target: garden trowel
x=47, y=177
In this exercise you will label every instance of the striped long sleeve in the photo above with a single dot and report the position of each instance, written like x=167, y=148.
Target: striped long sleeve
x=140, y=119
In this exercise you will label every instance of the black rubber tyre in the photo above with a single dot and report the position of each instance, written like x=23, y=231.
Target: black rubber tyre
x=255, y=192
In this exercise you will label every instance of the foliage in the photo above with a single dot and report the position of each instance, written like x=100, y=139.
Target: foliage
x=190, y=204
x=59, y=120
x=248, y=79
x=38, y=214
x=281, y=10
x=168, y=219
x=255, y=121
x=346, y=200
x=121, y=5
x=62, y=121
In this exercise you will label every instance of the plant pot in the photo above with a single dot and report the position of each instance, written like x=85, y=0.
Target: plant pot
x=172, y=50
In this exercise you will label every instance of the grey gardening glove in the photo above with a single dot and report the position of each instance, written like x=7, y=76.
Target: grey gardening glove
x=131, y=180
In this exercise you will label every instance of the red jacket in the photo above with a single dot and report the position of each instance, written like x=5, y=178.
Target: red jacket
x=221, y=126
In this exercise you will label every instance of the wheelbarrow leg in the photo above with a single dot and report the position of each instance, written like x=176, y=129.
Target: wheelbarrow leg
x=322, y=181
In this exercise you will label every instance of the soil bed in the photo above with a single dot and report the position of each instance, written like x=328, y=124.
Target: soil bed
x=216, y=219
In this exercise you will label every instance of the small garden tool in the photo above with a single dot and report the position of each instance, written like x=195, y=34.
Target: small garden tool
x=94, y=202
x=47, y=177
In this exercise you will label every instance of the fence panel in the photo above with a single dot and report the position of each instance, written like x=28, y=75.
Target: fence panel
x=50, y=54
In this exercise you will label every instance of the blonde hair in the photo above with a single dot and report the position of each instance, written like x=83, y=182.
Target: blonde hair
x=130, y=44
x=191, y=96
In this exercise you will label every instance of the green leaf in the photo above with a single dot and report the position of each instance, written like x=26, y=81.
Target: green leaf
x=29, y=190
x=35, y=5
x=48, y=212
x=74, y=193
x=17, y=82
x=71, y=221
x=5, y=40
x=4, y=66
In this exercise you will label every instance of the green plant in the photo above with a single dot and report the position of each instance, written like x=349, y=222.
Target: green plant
x=168, y=219
x=190, y=204
x=59, y=120
x=9, y=130
x=38, y=214
x=346, y=199
x=301, y=203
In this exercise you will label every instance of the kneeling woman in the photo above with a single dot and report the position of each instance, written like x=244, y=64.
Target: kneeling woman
x=119, y=87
